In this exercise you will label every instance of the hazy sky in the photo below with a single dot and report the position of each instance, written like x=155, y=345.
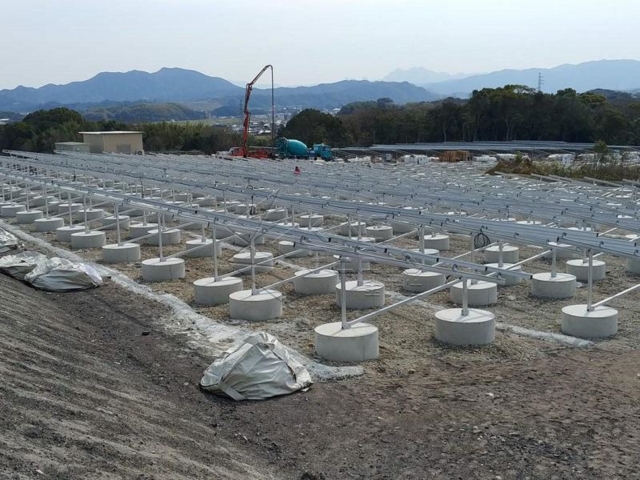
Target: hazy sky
x=307, y=41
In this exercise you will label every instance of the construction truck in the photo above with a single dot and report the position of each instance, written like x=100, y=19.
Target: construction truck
x=289, y=148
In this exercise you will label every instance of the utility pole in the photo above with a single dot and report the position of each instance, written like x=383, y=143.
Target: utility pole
x=540, y=82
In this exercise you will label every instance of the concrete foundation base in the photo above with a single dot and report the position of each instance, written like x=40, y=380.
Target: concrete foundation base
x=545, y=286
x=633, y=266
x=64, y=208
x=155, y=270
x=401, y=227
x=311, y=220
x=415, y=280
x=10, y=211
x=265, y=305
x=246, y=209
x=509, y=279
x=243, y=259
x=318, y=283
x=63, y=234
x=510, y=254
x=87, y=240
x=437, y=242
x=204, y=249
x=27, y=218
x=561, y=252
x=274, y=215
x=92, y=214
x=40, y=201
x=210, y=292
x=581, y=270
x=478, y=327
x=601, y=322
x=48, y=224
x=344, y=228
x=244, y=239
x=428, y=251
x=355, y=344
x=380, y=232
x=285, y=247
x=109, y=223
x=125, y=253
x=359, y=297
x=171, y=236
x=479, y=294
x=137, y=230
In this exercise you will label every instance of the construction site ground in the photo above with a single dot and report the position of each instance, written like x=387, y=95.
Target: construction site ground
x=95, y=387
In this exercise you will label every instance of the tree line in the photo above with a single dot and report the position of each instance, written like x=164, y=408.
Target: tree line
x=513, y=112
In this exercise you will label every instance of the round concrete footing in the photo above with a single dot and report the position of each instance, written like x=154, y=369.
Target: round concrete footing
x=529, y=222
x=137, y=230
x=355, y=344
x=29, y=217
x=53, y=207
x=156, y=270
x=40, y=201
x=63, y=234
x=64, y=208
x=401, y=227
x=243, y=259
x=344, y=228
x=265, y=305
x=245, y=209
x=109, y=223
x=48, y=224
x=208, y=202
x=479, y=294
x=580, y=269
x=189, y=225
x=169, y=237
x=478, y=327
x=601, y=322
x=359, y=297
x=510, y=254
x=437, y=242
x=633, y=266
x=204, y=249
x=285, y=247
x=92, y=214
x=561, y=286
x=274, y=215
x=380, y=232
x=510, y=280
x=318, y=283
x=210, y=292
x=125, y=253
x=311, y=220
x=10, y=211
x=415, y=280
x=87, y=240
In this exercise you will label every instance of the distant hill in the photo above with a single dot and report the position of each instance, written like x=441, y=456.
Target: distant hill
x=144, y=112
x=602, y=74
x=421, y=76
x=175, y=85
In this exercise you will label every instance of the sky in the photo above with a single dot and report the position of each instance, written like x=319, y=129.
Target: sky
x=307, y=41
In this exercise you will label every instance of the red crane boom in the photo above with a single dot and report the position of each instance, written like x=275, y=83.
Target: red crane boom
x=247, y=114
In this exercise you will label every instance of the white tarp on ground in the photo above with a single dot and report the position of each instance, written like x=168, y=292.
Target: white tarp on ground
x=17, y=266
x=60, y=275
x=8, y=241
x=260, y=368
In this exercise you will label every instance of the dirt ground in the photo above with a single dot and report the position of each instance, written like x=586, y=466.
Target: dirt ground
x=520, y=408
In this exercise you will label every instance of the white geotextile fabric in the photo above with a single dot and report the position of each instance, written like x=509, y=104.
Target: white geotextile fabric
x=8, y=241
x=60, y=275
x=17, y=266
x=260, y=368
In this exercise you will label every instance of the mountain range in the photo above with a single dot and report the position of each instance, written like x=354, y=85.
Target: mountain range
x=623, y=75
x=107, y=92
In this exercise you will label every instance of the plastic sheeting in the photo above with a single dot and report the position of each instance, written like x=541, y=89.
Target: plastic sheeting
x=8, y=241
x=260, y=368
x=18, y=266
x=60, y=275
